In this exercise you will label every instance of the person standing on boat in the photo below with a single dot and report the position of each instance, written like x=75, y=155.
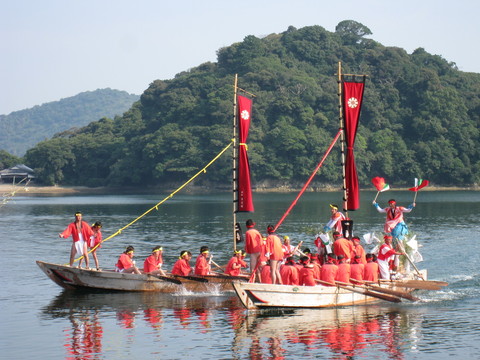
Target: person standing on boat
x=342, y=246
x=394, y=223
x=202, y=267
x=336, y=218
x=274, y=252
x=234, y=266
x=125, y=262
x=95, y=241
x=81, y=232
x=386, y=255
x=253, y=247
x=153, y=264
x=358, y=250
x=182, y=266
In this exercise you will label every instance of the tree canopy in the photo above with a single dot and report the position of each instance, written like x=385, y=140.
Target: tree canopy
x=420, y=118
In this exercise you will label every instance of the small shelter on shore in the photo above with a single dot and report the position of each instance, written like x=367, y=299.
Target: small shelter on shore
x=16, y=174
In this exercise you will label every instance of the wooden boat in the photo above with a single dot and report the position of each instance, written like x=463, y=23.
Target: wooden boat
x=262, y=296
x=76, y=278
x=73, y=278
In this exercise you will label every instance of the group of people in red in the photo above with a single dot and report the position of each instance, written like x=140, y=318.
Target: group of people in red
x=343, y=261
x=87, y=237
x=203, y=264
x=273, y=262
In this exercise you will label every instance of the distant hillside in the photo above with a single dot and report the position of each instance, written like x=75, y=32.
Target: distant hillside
x=21, y=130
x=420, y=118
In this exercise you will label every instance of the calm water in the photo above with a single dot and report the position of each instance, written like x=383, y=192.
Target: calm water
x=39, y=319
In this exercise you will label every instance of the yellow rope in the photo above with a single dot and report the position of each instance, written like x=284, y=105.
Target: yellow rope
x=202, y=171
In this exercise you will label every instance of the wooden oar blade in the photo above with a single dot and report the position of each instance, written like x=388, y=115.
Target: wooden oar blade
x=386, y=297
x=416, y=284
x=169, y=279
x=401, y=294
x=193, y=278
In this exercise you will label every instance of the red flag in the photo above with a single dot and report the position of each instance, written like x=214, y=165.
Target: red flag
x=419, y=184
x=244, y=190
x=380, y=184
x=352, y=104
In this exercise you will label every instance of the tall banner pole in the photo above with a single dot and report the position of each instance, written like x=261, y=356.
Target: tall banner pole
x=234, y=159
x=342, y=139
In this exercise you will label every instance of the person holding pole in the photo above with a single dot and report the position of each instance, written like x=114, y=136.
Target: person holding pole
x=394, y=223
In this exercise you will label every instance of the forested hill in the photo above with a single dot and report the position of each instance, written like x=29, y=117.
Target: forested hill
x=420, y=118
x=21, y=130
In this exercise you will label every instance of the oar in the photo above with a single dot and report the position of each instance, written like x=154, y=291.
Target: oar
x=416, y=284
x=400, y=294
x=363, y=291
x=218, y=266
x=169, y=279
x=409, y=260
x=193, y=278
x=297, y=248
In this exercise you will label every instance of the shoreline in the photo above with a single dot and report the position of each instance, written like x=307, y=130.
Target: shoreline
x=10, y=190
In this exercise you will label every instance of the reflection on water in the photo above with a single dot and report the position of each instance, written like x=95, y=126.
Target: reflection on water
x=342, y=333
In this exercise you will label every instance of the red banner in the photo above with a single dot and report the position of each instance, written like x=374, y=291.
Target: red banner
x=244, y=190
x=352, y=104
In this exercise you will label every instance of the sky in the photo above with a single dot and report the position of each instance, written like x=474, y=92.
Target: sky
x=53, y=49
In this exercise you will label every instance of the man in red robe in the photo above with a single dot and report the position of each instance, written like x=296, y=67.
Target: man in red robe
x=344, y=271
x=289, y=272
x=81, y=233
x=371, y=269
x=253, y=247
x=235, y=264
x=202, y=267
x=182, y=265
x=152, y=264
x=329, y=270
x=306, y=274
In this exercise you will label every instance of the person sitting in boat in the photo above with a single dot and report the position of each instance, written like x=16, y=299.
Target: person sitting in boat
x=81, y=232
x=336, y=218
x=357, y=268
x=306, y=275
x=153, y=264
x=266, y=272
x=386, y=256
x=371, y=269
x=182, y=265
x=274, y=252
x=234, y=266
x=358, y=250
x=342, y=246
x=202, y=266
x=394, y=222
x=125, y=262
x=314, y=260
x=344, y=270
x=329, y=270
x=95, y=241
x=289, y=272
x=254, y=246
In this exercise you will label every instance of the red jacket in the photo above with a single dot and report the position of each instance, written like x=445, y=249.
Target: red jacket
x=71, y=229
x=253, y=241
x=371, y=272
x=151, y=264
x=289, y=275
x=201, y=266
x=181, y=267
x=306, y=276
x=329, y=272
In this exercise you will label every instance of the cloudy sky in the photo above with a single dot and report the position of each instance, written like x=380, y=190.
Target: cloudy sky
x=52, y=49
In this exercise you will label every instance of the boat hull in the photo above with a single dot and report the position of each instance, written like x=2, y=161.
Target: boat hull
x=258, y=296
x=73, y=278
